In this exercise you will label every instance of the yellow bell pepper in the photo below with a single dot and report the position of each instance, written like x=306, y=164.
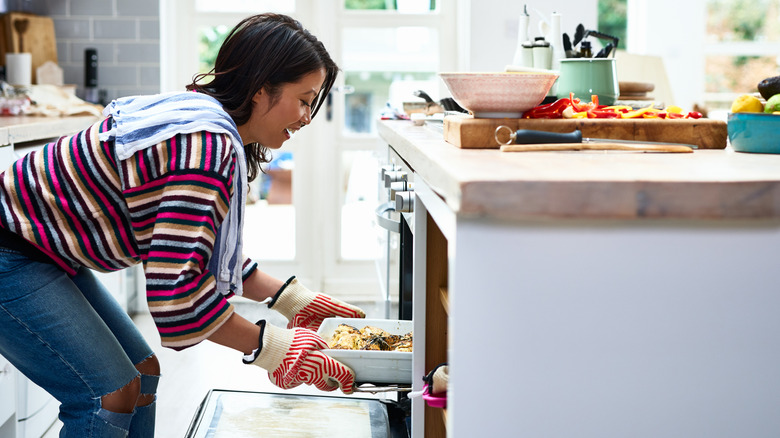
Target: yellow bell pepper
x=674, y=109
x=647, y=112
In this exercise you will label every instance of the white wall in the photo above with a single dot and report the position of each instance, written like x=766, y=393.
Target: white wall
x=676, y=37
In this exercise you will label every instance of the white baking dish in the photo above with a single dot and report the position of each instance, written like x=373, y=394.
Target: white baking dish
x=371, y=366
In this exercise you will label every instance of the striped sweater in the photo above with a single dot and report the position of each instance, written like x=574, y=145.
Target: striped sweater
x=79, y=204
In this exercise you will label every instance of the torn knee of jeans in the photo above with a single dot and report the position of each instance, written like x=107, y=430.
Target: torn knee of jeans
x=116, y=419
x=148, y=389
x=122, y=400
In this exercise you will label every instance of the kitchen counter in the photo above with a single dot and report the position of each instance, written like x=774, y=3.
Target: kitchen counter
x=20, y=129
x=596, y=294
x=707, y=184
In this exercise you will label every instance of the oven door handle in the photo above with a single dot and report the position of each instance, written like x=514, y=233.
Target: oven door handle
x=384, y=222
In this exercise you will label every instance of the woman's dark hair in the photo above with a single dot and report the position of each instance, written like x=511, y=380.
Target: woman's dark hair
x=266, y=50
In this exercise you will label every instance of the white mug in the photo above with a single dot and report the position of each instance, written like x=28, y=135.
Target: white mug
x=18, y=69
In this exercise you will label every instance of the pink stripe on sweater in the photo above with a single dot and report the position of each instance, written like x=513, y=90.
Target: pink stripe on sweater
x=208, y=151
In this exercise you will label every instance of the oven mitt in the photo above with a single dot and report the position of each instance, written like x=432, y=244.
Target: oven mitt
x=307, y=309
x=438, y=379
x=292, y=357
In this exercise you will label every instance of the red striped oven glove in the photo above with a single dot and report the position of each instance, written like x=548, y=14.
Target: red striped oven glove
x=292, y=357
x=307, y=309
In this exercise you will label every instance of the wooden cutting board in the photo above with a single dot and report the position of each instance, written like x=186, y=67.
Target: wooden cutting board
x=39, y=39
x=467, y=132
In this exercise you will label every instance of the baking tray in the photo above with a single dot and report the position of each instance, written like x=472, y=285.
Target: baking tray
x=371, y=366
x=240, y=414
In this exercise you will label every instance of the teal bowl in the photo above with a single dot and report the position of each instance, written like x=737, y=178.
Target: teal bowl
x=754, y=132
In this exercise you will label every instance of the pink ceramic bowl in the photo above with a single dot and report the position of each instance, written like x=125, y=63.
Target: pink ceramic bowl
x=499, y=95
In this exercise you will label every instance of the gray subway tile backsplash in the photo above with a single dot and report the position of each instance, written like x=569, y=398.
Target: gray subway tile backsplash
x=91, y=7
x=143, y=8
x=115, y=29
x=126, y=34
x=148, y=53
x=72, y=28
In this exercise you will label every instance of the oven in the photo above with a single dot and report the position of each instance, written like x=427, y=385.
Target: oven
x=231, y=412
x=395, y=221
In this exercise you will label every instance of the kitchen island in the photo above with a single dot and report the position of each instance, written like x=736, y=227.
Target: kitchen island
x=596, y=294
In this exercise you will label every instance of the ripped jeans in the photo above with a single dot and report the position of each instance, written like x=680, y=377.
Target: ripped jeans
x=71, y=337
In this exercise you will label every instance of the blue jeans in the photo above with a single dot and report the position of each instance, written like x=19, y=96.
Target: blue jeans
x=71, y=337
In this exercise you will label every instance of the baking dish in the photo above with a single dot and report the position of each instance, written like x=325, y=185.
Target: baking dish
x=372, y=366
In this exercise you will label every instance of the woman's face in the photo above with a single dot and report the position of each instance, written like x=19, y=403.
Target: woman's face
x=272, y=125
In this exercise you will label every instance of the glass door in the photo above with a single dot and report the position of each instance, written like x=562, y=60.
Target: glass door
x=312, y=212
x=386, y=50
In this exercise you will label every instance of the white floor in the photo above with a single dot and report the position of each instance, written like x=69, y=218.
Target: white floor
x=188, y=375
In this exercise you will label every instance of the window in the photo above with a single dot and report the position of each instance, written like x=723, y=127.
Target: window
x=613, y=21
x=742, y=38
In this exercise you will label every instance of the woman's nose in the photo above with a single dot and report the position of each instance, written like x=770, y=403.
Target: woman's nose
x=306, y=116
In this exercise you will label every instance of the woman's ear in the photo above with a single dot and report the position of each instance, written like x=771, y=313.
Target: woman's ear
x=257, y=95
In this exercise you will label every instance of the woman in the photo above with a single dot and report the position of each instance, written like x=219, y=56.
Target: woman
x=161, y=181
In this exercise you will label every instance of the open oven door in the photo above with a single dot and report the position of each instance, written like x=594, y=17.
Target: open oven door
x=239, y=414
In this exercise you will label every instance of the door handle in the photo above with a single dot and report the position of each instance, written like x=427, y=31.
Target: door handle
x=385, y=222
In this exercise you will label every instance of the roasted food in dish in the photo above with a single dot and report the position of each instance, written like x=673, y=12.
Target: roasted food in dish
x=347, y=337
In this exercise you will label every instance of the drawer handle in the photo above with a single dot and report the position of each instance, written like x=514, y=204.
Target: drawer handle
x=384, y=222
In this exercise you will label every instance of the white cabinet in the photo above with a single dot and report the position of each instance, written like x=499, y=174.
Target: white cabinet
x=7, y=399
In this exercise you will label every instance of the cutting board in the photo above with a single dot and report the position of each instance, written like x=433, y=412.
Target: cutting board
x=39, y=39
x=467, y=132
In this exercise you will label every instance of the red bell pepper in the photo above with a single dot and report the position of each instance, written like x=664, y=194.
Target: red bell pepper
x=598, y=113
x=550, y=111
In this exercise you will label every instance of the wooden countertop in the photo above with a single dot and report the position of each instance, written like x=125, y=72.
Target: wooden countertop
x=20, y=129
x=707, y=184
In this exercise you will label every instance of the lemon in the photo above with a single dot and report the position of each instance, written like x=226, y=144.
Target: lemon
x=747, y=104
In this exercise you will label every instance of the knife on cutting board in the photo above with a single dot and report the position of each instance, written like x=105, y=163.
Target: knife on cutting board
x=528, y=140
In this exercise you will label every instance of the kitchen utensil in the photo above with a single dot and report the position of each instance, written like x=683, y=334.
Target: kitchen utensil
x=588, y=76
x=642, y=147
x=579, y=34
x=449, y=104
x=21, y=25
x=601, y=35
x=423, y=95
x=567, y=47
x=530, y=140
x=469, y=133
x=605, y=51
x=500, y=94
x=754, y=132
x=430, y=106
